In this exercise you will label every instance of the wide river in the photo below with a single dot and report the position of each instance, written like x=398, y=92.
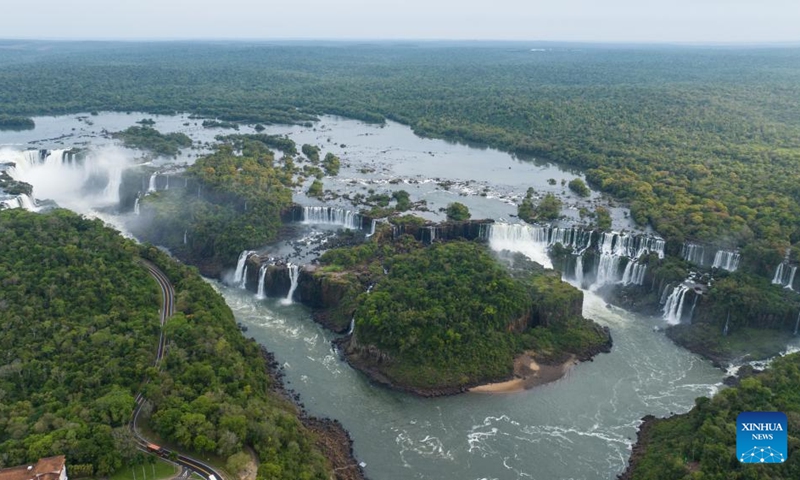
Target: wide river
x=580, y=427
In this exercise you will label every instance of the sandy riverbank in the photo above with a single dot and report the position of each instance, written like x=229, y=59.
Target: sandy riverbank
x=528, y=374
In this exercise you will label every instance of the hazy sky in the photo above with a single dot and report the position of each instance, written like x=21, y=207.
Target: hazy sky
x=571, y=20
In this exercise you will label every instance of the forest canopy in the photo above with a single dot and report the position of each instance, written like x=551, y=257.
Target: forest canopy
x=449, y=315
x=81, y=327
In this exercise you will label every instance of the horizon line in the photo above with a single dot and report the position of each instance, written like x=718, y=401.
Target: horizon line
x=684, y=43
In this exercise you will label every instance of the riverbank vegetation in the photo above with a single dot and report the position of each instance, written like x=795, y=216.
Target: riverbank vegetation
x=81, y=329
x=701, y=444
x=447, y=316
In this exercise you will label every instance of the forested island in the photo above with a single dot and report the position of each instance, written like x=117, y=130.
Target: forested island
x=440, y=319
x=80, y=336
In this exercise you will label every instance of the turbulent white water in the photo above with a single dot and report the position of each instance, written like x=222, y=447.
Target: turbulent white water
x=529, y=240
x=634, y=273
x=372, y=228
x=673, y=308
x=694, y=253
x=726, y=260
x=239, y=275
x=784, y=275
x=332, y=216
x=20, y=201
x=262, y=272
x=579, y=271
x=294, y=274
x=86, y=185
x=614, y=248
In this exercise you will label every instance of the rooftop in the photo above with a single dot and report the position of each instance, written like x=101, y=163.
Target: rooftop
x=45, y=469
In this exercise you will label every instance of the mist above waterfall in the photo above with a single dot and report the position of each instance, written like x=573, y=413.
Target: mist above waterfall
x=81, y=184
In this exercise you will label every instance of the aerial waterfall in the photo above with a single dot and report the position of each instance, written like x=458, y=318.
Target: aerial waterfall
x=94, y=181
x=575, y=238
x=673, y=308
x=634, y=273
x=694, y=253
x=613, y=247
x=784, y=275
x=579, y=271
x=152, y=186
x=243, y=285
x=294, y=274
x=607, y=269
x=331, y=216
x=372, y=227
x=262, y=272
x=726, y=260
x=20, y=201
x=530, y=240
x=777, y=279
x=239, y=275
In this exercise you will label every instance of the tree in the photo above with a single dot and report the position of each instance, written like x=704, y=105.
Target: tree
x=403, y=200
x=579, y=187
x=331, y=164
x=602, y=218
x=312, y=152
x=315, y=190
x=457, y=212
x=549, y=208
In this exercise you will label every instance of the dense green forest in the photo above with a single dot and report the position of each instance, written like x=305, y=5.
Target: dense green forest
x=701, y=445
x=79, y=335
x=148, y=138
x=237, y=205
x=702, y=142
x=79, y=330
x=450, y=315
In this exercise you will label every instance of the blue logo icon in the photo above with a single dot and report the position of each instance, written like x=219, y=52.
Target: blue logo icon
x=761, y=437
